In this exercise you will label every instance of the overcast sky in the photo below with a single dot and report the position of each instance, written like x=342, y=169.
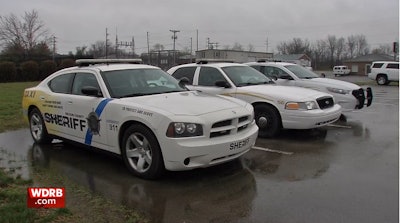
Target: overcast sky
x=82, y=23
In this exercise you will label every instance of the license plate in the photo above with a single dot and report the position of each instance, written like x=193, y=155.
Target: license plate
x=239, y=144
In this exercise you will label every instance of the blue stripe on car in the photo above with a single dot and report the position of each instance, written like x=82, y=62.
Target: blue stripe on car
x=98, y=111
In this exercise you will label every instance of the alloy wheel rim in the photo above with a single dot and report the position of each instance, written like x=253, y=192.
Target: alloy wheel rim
x=138, y=152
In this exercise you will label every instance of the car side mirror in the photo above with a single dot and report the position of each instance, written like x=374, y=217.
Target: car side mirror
x=183, y=82
x=274, y=77
x=222, y=83
x=91, y=91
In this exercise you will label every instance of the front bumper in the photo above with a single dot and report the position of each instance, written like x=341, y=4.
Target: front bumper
x=364, y=97
x=310, y=119
x=196, y=152
x=356, y=100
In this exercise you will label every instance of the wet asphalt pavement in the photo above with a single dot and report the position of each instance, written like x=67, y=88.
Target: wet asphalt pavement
x=348, y=172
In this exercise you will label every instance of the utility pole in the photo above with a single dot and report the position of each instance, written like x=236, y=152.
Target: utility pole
x=106, y=43
x=266, y=43
x=148, y=48
x=54, y=47
x=174, y=37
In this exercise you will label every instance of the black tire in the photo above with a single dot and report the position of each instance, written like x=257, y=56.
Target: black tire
x=268, y=120
x=141, y=152
x=37, y=127
x=382, y=79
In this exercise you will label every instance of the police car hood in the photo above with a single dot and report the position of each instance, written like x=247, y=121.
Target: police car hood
x=186, y=103
x=287, y=93
x=327, y=82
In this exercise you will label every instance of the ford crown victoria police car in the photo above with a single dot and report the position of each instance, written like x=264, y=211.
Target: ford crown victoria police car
x=350, y=96
x=275, y=106
x=141, y=113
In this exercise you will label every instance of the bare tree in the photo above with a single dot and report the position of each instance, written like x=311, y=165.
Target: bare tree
x=26, y=33
x=340, y=49
x=331, y=43
x=351, y=45
x=158, y=47
x=361, y=45
x=98, y=49
x=296, y=46
x=237, y=46
x=383, y=49
x=319, y=50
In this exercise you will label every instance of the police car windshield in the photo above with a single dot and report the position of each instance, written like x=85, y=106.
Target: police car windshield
x=301, y=72
x=139, y=82
x=245, y=75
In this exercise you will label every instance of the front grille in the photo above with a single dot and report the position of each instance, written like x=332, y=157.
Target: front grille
x=230, y=126
x=360, y=96
x=325, y=102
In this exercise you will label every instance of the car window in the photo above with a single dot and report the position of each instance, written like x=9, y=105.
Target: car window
x=245, y=75
x=209, y=75
x=62, y=83
x=83, y=80
x=301, y=72
x=139, y=82
x=274, y=72
x=393, y=66
x=377, y=65
x=187, y=72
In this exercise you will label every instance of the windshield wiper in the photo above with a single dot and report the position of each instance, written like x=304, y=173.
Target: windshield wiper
x=133, y=95
x=259, y=83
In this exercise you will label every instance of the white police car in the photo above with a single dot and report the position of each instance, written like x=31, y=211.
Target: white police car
x=275, y=107
x=350, y=96
x=140, y=112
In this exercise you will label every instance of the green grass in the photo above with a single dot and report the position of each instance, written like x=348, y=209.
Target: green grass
x=13, y=206
x=10, y=105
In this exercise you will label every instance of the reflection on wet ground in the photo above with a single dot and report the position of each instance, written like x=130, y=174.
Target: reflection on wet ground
x=207, y=195
x=347, y=172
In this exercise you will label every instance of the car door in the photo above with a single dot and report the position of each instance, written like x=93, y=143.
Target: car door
x=211, y=80
x=87, y=109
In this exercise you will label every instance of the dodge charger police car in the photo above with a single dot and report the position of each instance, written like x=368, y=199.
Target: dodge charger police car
x=275, y=107
x=141, y=113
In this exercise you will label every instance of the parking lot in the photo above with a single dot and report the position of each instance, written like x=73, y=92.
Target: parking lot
x=347, y=172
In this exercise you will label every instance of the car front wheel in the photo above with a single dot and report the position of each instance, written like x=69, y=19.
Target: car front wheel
x=141, y=152
x=268, y=120
x=381, y=80
x=38, y=128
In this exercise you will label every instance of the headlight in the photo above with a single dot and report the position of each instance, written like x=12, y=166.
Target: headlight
x=338, y=90
x=184, y=129
x=308, y=105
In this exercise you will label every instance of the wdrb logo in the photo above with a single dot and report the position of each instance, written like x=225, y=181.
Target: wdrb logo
x=46, y=197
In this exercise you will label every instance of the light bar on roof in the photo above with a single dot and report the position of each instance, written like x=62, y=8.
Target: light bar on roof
x=87, y=62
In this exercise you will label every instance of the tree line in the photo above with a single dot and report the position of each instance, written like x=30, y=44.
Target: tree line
x=332, y=50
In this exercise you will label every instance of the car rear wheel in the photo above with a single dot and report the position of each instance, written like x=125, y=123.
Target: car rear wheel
x=268, y=120
x=141, y=152
x=38, y=128
x=381, y=79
